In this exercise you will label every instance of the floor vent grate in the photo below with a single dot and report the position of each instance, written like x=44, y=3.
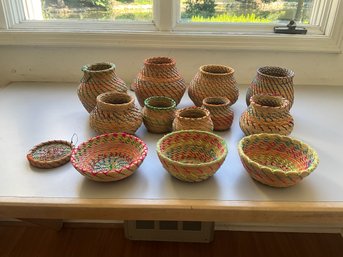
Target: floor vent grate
x=177, y=231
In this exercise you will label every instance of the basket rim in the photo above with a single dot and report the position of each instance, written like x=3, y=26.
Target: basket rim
x=229, y=69
x=117, y=134
x=192, y=131
x=152, y=107
x=170, y=61
x=257, y=165
x=283, y=105
x=290, y=73
x=195, y=108
x=65, y=157
x=226, y=101
x=85, y=68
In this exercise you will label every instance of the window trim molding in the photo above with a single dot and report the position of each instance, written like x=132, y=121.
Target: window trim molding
x=165, y=34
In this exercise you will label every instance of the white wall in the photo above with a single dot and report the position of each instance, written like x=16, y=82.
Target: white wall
x=20, y=63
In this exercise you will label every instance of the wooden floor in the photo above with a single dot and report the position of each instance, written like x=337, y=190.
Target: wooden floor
x=36, y=241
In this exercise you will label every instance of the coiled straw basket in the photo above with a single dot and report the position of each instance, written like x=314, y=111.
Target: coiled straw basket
x=158, y=114
x=109, y=157
x=191, y=155
x=276, y=160
x=189, y=118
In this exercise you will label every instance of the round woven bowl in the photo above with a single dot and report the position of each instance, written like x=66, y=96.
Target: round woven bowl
x=50, y=154
x=276, y=160
x=109, y=157
x=191, y=155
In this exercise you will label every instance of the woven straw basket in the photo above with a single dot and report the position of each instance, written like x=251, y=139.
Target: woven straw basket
x=109, y=157
x=276, y=160
x=158, y=114
x=191, y=155
x=267, y=114
x=220, y=112
x=50, y=154
x=159, y=77
x=194, y=117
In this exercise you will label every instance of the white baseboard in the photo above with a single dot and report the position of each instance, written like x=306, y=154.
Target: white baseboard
x=278, y=228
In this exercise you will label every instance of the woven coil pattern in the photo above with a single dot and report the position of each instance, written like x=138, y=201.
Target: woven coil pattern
x=267, y=114
x=159, y=77
x=274, y=81
x=197, y=118
x=109, y=157
x=158, y=114
x=220, y=112
x=213, y=80
x=191, y=155
x=276, y=160
x=115, y=112
x=50, y=154
x=97, y=79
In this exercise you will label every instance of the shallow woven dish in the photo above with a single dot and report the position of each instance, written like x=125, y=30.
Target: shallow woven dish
x=109, y=157
x=191, y=155
x=50, y=154
x=275, y=160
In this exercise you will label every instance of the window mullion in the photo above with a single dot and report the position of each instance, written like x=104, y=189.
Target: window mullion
x=165, y=14
x=33, y=9
x=3, y=22
x=12, y=13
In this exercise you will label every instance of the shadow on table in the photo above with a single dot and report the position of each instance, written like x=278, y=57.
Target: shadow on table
x=129, y=187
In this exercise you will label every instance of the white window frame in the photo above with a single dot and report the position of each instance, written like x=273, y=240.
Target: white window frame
x=167, y=32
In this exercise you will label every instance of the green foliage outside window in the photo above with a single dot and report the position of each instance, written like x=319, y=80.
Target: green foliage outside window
x=202, y=8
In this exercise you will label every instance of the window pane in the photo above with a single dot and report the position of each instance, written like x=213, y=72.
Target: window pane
x=122, y=10
x=260, y=11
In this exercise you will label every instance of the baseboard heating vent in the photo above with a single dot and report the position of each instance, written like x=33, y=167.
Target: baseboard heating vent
x=177, y=231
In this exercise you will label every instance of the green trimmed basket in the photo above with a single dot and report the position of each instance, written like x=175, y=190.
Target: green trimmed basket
x=191, y=155
x=109, y=157
x=276, y=160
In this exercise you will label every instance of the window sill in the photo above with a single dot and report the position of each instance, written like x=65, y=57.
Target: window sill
x=176, y=40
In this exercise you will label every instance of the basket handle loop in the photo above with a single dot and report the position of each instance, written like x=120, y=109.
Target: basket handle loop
x=75, y=136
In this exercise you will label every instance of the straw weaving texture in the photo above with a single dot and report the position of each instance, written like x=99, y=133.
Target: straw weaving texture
x=191, y=155
x=273, y=81
x=267, y=114
x=158, y=114
x=97, y=79
x=50, y=154
x=213, y=80
x=109, y=157
x=197, y=118
x=115, y=112
x=220, y=112
x=159, y=77
x=276, y=160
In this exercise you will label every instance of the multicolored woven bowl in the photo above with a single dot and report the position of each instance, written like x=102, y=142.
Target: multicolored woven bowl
x=109, y=157
x=191, y=155
x=276, y=160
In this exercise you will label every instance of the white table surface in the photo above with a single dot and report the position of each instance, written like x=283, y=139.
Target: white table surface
x=36, y=112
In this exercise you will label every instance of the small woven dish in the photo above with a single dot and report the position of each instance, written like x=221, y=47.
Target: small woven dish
x=109, y=157
x=276, y=160
x=191, y=155
x=50, y=154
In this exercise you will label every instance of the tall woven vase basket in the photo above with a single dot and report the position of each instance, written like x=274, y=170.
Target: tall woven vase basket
x=274, y=81
x=267, y=114
x=159, y=77
x=97, y=79
x=213, y=80
x=115, y=112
